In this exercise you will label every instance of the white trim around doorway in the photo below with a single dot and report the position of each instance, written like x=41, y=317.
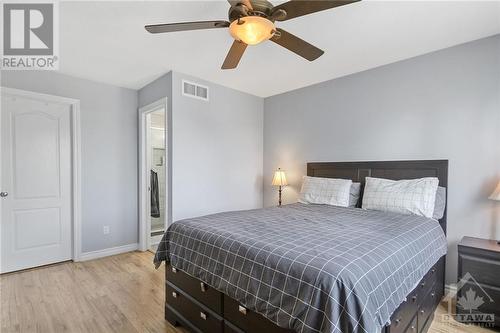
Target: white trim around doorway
x=144, y=225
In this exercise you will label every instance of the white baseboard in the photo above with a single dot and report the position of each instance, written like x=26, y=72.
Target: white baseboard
x=450, y=289
x=155, y=240
x=108, y=252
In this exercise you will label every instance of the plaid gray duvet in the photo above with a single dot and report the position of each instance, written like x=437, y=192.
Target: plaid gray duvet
x=311, y=268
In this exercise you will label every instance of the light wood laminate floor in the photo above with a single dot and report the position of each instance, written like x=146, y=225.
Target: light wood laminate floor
x=122, y=293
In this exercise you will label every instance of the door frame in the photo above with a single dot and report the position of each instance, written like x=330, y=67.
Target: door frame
x=144, y=221
x=76, y=152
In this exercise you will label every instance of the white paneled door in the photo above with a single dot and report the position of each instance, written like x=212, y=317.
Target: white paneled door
x=36, y=225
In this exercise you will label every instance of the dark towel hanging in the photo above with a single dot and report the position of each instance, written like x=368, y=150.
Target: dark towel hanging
x=155, y=195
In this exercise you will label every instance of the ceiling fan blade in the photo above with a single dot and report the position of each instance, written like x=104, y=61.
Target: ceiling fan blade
x=296, y=8
x=234, y=55
x=171, y=27
x=297, y=45
x=247, y=3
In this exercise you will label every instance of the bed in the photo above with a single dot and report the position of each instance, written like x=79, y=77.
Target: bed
x=309, y=268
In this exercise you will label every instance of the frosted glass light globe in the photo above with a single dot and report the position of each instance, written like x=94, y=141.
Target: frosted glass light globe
x=252, y=30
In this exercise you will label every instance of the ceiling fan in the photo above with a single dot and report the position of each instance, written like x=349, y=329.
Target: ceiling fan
x=253, y=21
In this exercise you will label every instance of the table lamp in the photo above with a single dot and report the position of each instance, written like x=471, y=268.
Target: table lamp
x=279, y=180
x=496, y=196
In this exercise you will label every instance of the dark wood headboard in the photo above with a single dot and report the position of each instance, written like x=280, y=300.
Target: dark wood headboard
x=357, y=171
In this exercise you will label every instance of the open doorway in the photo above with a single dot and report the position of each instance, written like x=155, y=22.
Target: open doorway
x=157, y=169
x=154, y=174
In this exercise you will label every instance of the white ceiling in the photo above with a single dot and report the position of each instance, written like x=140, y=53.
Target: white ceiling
x=106, y=41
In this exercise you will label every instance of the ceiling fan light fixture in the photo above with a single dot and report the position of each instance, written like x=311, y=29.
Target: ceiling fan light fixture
x=251, y=22
x=252, y=30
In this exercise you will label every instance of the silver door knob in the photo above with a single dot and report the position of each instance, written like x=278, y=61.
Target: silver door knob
x=4, y=194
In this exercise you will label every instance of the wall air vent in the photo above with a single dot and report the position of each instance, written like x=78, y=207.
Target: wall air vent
x=194, y=90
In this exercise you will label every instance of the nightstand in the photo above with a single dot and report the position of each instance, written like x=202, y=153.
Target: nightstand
x=478, y=287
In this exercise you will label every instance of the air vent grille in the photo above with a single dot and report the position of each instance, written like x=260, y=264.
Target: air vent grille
x=194, y=90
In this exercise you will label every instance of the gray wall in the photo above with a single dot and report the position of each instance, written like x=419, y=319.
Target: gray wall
x=161, y=88
x=441, y=105
x=444, y=105
x=217, y=160
x=109, y=153
x=217, y=150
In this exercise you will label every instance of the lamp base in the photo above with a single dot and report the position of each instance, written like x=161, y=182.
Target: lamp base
x=279, y=200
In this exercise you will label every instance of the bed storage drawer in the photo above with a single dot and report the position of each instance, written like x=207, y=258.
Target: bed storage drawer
x=404, y=315
x=426, y=310
x=248, y=321
x=410, y=327
x=230, y=328
x=425, y=296
x=197, y=314
x=202, y=292
x=413, y=326
x=429, y=280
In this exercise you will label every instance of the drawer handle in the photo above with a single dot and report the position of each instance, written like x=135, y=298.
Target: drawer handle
x=422, y=284
x=422, y=311
x=398, y=321
x=174, y=270
x=203, y=287
x=242, y=309
x=414, y=298
x=174, y=294
x=433, y=270
x=203, y=315
x=413, y=328
x=433, y=294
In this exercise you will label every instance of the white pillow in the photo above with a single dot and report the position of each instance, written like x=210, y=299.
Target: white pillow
x=326, y=191
x=412, y=196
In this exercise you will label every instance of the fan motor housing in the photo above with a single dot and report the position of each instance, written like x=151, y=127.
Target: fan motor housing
x=260, y=8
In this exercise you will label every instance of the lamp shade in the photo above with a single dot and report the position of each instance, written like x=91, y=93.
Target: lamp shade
x=496, y=193
x=279, y=178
